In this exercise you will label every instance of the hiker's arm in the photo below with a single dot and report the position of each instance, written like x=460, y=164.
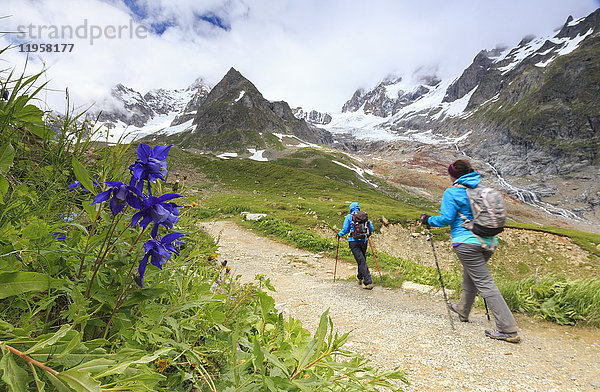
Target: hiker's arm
x=371, y=227
x=346, y=229
x=448, y=211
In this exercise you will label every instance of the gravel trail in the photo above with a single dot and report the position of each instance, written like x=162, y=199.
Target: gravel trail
x=411, y=329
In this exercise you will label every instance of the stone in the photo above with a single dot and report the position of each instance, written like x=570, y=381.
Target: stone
x=384, y=221
x=252, y=217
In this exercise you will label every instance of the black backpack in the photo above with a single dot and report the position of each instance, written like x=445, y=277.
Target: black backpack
x=360, y=223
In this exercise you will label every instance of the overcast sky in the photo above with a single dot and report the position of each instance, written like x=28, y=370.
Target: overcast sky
x=310, y=53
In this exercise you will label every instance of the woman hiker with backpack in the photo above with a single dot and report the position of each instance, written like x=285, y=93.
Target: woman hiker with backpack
x=359, y=226
x=473, y=252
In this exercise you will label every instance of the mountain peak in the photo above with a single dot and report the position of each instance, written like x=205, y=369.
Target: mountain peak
x=235, y=115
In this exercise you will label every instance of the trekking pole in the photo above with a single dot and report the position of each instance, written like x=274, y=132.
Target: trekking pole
x=430, y=239
x=487, y=311
x=336, y=255
x=372, y=251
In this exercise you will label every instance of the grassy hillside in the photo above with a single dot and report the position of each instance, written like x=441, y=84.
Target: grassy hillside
x=305, y=188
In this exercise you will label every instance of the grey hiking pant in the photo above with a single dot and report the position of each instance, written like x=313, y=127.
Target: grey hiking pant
x=477, y=278
x=359, y=250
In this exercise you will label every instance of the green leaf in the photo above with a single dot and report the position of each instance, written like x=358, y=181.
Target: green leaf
x=80, y=381
x=142, y=295
x=31, y=117
x=17, y=283
x=95, y=365
x=12, y=374
x=4, y=185
x=275, y=361
x=7, y=156
x=59, y=385
x=124, y=365
x=258, y=357
x=307, y=354
x=50, y=340
x=73, y=343
x=77, y=226
x=5, y=327
x=82, y=175
x=38, y=383
x=322, y=329
x=91, y=211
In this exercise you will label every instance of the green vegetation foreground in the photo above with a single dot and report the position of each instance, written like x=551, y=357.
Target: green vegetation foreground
x=111, y=286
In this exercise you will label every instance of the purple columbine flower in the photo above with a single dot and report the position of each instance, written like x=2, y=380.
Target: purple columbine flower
x=150, y=166
x=154, y=209
x=158, y=252
x=121, y=195
x=77, y=184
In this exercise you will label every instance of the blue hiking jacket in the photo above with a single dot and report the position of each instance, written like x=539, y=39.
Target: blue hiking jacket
x=455, y=200
x=348, y=227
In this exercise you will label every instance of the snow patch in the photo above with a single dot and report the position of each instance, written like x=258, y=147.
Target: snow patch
x=359, y=171
x=360, y=125
x=186, y=126
x=453, y=109
x=575, y=22
x=241, y=95
x=571, y=45
x=301, y=143
x=521, y=54
x=227, y=155
x=128, y=133
x=257, y=155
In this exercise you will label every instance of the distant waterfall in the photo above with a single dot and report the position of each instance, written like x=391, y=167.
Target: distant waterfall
x=525, y=196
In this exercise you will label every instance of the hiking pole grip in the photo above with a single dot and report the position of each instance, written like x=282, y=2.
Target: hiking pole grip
x=430, y=238
x=336, y=257
x=372, y=251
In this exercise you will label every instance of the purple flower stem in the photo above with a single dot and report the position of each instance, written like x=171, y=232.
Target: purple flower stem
x=106, y=248
x=122, y=295
x=87, y=244
x=130, y=249
x=117, y=306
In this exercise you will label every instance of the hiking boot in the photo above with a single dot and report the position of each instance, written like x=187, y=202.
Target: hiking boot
x=453, y=307
x=509, y=337
x=359, y=281
x=367, y=286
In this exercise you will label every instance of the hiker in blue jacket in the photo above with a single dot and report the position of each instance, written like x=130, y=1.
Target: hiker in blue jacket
x=472, y=254
x=358, y=248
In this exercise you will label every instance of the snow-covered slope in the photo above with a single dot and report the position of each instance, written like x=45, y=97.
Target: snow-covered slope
x=420, y=101
x=312, y=116
x=129, y=115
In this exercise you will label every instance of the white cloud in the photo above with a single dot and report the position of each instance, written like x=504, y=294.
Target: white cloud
x=310, y=53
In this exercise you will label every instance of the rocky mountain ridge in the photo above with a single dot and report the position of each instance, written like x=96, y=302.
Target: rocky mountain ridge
x=390, y=95
x=235, y=115
x=128, y=107
x=313, y=116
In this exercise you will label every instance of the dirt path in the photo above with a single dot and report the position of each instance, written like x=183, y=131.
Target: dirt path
x=409, y=329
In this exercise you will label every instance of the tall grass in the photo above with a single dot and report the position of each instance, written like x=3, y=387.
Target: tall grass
x=555, y=298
